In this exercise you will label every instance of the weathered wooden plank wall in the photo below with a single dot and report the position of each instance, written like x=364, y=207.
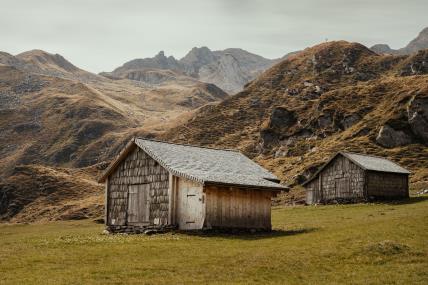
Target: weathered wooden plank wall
x=313, y=194
x=138, y=168
x=341, y=179
x=387, y=185
x=229, y=207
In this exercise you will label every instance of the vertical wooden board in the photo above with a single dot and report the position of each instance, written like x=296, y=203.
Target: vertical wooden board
x=268, y=210
x=229, y=197
x=225, y=206
x=218, y=207
x=248, y=207
x=240, y=207
x=258, y=209
x=213, y=208
x=237, y=207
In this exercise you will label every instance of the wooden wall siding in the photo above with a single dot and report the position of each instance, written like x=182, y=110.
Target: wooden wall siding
x=228, y=207
x=387, y=185
x=138, y=168
x=341, y=179
x=190, y=210
x=313, y=194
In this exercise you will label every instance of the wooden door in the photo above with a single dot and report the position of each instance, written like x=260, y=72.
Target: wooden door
x=138, y=204
x=190, y=205
x=342, y=189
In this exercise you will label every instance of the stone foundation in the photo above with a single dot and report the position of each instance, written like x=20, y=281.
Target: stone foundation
x=131, y=229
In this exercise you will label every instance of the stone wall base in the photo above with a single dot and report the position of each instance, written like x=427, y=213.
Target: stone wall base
x=132, y=229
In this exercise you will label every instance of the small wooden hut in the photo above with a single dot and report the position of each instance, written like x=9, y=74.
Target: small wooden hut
x=352, y=176
x=155, y=184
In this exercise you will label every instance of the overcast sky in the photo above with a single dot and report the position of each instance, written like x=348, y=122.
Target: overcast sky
x=99, y=35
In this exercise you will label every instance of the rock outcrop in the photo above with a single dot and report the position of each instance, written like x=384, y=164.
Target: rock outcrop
x=389, y=137
x=417, y=44
x=417, y=111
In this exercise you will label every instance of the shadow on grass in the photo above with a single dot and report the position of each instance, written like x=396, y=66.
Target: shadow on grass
x=246, y=235
x=411, y=200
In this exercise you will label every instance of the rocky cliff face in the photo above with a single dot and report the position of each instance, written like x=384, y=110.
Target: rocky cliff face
x=417, y=44
x=334, y=96
x=160, y=61
x=229, y=69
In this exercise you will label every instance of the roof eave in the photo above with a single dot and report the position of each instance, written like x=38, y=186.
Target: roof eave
x=279, y=188
x=345, y=154
x=394, y=172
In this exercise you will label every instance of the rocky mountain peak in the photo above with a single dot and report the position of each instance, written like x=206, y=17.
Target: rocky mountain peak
x=196, y=58
x=44, y=60
x=417, y=44
x=420, y=42
x=203, y=64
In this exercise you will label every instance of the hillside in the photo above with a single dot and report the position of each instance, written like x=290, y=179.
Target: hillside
x=35, y=193
x=418, y=43
x=53, y=114
x=333, y=96
x=49, y=115
x=230, y=69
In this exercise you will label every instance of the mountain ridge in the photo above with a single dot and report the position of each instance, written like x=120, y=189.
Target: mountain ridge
x=205, y=65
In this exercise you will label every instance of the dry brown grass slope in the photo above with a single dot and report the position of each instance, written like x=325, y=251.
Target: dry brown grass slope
x=39, y=193
x=333, y=96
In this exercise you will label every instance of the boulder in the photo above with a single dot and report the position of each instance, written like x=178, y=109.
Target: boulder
x=350, y=120
x=417, y=112
x=389, y=137
x=281, y=152
x=268, y=139
x=324, y=121
x=416, y=64
x=281, y=118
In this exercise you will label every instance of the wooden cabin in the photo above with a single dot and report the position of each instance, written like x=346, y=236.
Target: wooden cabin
x=352, y=176
x=155, y=184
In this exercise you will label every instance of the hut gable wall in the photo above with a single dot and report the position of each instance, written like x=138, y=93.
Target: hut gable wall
x=230, y=207
x=312, y=192
x=341, y=179
x=387, y=185
x=137, y=168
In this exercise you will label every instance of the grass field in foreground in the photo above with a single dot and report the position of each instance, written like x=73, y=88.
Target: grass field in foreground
x=339, y=244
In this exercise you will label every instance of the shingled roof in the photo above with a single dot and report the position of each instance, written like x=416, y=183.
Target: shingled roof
x=366, y=162
x=204, y=165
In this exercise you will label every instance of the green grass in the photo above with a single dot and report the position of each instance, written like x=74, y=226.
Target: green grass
x=346, y=244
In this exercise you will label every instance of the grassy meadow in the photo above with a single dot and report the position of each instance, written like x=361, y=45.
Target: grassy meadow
x=385, y=243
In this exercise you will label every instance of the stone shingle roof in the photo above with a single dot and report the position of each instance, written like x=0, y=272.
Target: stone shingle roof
x=375, y=163
x=366, y=162
x=208, y=165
